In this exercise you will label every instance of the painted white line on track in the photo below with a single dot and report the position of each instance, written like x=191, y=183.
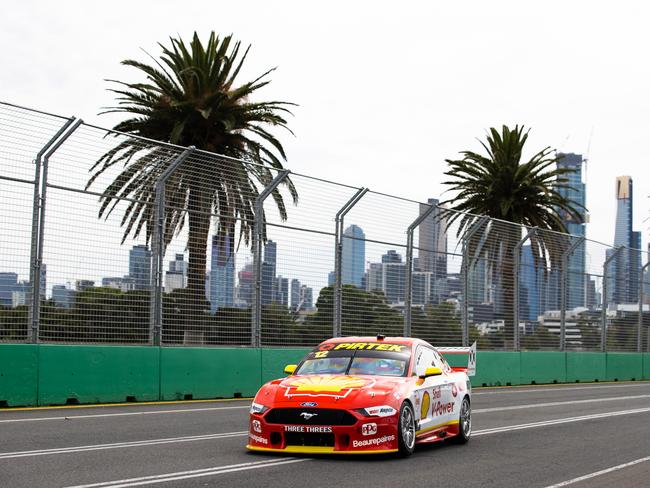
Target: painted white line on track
x=600, y=473
x=551, y=389
x=546, y=423
x=172, y=440
x=196, y=473
x=557, y=404
x=124, y=414
x=119, y=445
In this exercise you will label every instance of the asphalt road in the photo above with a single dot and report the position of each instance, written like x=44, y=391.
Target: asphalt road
x=595, y=435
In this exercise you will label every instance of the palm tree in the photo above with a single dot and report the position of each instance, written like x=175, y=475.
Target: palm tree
x=513, y=194
x=191, y=97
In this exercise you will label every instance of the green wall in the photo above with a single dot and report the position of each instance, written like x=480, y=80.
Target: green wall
x=47, y=374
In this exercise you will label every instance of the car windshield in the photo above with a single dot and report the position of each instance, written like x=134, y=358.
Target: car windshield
x=357, y=359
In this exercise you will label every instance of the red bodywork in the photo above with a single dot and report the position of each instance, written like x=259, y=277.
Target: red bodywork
x=321, y=413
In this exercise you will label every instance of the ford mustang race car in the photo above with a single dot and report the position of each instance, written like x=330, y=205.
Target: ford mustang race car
x=365, y=395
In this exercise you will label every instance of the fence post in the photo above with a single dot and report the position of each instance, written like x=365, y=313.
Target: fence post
x=338, y=259
x=258, y=235
x=466, y=264
x=563, y=289
x=639, y=345
x=516, y=258
x=38, y=221
x=34, y=265
x=408, y=289
x=158, y=250
x=603, y=325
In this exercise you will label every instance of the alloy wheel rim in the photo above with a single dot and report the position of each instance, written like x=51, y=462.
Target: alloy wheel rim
x=466, y=418
x=408, y=427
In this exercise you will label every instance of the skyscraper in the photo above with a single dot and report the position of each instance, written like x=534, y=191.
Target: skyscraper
x=622, y=286
x=576, y=279
x=246, y=285
x=222, y=273
x=140, y=266
x=269, y=284
x=353, y=256
x=8, y=284
x=176, y=276
x=295, y=294
x=282, y=291
x=432, y=254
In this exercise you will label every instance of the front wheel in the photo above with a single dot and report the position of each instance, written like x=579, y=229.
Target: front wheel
x=464, y=422
x=406, y=430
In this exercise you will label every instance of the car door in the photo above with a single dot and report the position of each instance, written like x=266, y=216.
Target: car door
x=445, y=408
x=428, y=391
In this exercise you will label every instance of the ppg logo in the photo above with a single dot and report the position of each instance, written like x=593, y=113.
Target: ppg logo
x=369, y=429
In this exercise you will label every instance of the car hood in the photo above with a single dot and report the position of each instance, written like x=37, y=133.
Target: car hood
x=330, y=390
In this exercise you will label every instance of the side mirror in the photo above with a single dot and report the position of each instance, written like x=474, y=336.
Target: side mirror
x=290, y=368
x=431, y=371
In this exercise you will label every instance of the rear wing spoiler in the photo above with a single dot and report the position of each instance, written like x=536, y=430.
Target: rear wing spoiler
x=471, y=357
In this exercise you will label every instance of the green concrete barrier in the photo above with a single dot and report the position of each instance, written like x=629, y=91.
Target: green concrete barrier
x=538, y=367
x=623, y=366
x=274, y=361
x=585, y=366
x=97, y=374
x=492, y=368
x=48, y=374
x=18, y=375
x=201, y=373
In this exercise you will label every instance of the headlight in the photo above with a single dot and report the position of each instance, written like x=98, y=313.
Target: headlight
x=258, y=408
x=380, y=411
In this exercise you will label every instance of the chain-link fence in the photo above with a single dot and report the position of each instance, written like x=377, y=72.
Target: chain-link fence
x=111, y=238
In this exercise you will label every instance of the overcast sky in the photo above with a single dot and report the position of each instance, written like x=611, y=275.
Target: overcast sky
x=386, y=90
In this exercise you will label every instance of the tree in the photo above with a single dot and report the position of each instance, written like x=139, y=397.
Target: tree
x=514, y=194
x=192, y=98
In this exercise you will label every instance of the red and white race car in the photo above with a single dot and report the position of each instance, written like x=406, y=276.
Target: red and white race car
x=365, y=395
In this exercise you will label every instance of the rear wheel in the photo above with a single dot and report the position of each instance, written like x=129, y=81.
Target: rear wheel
x=406, y=430
x=464, y=422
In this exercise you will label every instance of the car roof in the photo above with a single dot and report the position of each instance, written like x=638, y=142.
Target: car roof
x=410, y=341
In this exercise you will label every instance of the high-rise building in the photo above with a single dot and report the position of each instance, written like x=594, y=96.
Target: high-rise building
x=222, y=273
x=576, y=194
x=306, y=298
x=140, y=266
x=432, y=253
x=268, y=272
x=622, y=285
x=529, y=292
x=246, y=286
x=375, y=278
x=282, y=291
x=8, y=284
x=295, y=294
x=176, y=275
x=393, y=276
x=331, y=278
x=62, y=296
x=353, y=256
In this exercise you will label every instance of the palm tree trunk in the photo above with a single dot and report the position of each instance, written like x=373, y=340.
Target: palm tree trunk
x=199, y=229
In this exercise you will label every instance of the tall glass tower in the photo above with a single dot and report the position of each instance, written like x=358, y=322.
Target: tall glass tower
x=353, y=256
x=222, y=273
x=624, y=270
x=576, y=278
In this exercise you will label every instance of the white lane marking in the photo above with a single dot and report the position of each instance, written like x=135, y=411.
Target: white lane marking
x=551, y=389
x=601, y=472
x=124, y=414
x=181, y=475
x=556, y=404
x=545, y=423
x=119, y=445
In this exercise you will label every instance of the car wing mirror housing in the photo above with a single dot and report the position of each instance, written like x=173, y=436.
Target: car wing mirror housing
x=431, y=371
x=290, y=368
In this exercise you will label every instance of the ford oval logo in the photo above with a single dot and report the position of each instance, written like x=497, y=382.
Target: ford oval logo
x=307, y=415
x=309, y=404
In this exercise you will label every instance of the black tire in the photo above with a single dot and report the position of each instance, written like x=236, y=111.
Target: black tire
x=406, y=430
x=464, y=422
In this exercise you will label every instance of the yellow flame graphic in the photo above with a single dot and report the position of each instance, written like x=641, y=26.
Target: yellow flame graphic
x=329, y=384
